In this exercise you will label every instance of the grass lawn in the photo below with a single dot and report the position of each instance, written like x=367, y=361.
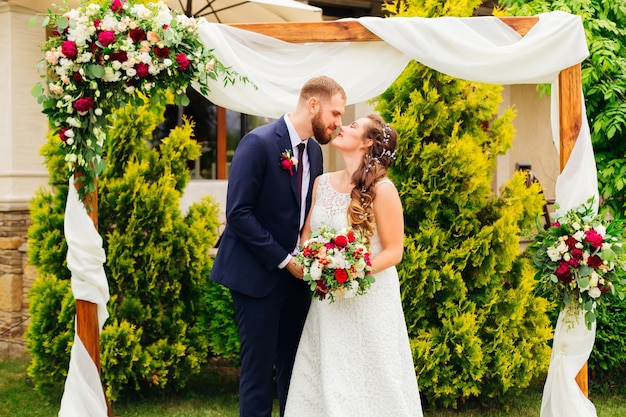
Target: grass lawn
x=213, y=394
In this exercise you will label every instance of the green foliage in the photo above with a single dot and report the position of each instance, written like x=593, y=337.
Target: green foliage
x=163, y=306
x=604, y=88
x=476, y=327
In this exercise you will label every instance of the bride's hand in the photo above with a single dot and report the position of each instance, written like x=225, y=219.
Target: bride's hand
x=295, y=268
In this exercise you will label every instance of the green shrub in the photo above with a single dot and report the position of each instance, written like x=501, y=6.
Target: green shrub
x=162, y=306
x=476, y=327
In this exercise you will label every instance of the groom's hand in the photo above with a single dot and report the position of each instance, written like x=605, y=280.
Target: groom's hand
x=295, y=268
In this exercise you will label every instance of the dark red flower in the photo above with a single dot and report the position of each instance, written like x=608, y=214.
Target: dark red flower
x=161, y=52
x=120, y=56
x=143, y=70
x=341, y=275
x=341, y=241
x=137, y=35
x=69, y=49
x=183, y=61
x=594, y=238
x=106, y=37
x=96, y=23
x=573, y=262
x=62, y=134
x=604, y=288
x=83, y=105
x=351, y=237
x=563, y=273
x=594, y=261
x=321, y=289
x=577, y=253
x=571, y=243
x=77, y=78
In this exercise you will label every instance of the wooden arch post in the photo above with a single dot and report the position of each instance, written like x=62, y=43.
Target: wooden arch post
x=570, y=86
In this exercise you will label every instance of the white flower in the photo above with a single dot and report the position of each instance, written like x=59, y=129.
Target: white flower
x=576, y=226
x=554, y=254
x=351, y=288
x=601, y=230
x=595, y=292
x=316, y=270
x=579, y=236
x=593, y=280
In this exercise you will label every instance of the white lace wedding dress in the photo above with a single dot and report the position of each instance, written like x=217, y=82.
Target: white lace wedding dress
x=354, y=358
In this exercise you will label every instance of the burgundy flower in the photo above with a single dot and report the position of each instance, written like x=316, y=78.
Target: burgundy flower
x=183, y=61
x=120, y=56
x=573, y=262
x=106, y=37
x=96, y=23
x=116, y=6
x=143, y=70
x=137, y=35
x=594, y=238
x=571, y=242
x=594, y=261
x=161, y=52
x=341, y=275
x=577, y=253
x=563, y=273
x=69, y=49
x=83, y=105
x=321, y=289
x=78, y=79
x=62, y=134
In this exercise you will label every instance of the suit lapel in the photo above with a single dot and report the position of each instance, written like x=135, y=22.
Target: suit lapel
x=284, y=143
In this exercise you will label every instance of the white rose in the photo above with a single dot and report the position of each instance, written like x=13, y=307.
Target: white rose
x=595, y=292
x=593, y=280
x=351, y=288
x=554, y=254
x=316, y=270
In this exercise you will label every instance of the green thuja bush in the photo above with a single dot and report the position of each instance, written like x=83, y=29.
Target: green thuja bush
x=476, y=327
x=163, y=308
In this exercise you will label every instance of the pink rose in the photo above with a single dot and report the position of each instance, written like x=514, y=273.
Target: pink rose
x=594, y=238
x=83, y=105
x=106, y=37
x=183, y=61
x=69, y=49
x=116, y=6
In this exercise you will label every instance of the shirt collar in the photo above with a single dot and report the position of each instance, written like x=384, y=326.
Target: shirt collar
x=293, y=135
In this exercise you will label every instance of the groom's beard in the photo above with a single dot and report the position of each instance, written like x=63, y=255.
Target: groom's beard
x=320, y=131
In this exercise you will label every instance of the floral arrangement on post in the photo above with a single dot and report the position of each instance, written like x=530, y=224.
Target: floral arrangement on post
x=336, y=264
x=101, y=57
x=579, y=259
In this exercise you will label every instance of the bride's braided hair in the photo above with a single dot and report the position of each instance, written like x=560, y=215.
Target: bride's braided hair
x=374, y=167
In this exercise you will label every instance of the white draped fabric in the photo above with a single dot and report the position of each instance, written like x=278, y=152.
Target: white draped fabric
x=478, y=48
x=83, y=395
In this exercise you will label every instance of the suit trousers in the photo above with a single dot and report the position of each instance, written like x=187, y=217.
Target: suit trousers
x=269, y=331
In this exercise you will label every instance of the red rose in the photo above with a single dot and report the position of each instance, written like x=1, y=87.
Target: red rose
x=69, y=49
x=77, y=78
x=96, y=23
x=183, y=62
x=161, y=52
x=143, y=70
x=571, y=242
x=594, y=238
x=62, y=134
x=594, y=261
x=341, y=241
x=573, y=262
x=116, y=6
x=351, y=237
x=120, y=56
x=577, y=253
x=341, y=275
x=137, y=35
x=563, y=273
x=83, y=105
x=106, y=37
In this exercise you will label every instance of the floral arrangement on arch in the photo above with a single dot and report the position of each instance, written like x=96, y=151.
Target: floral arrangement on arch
x=101, y=56
x=580, y=260
x=336, y=264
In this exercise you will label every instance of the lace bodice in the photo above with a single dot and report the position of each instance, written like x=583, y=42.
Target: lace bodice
x=331, y=210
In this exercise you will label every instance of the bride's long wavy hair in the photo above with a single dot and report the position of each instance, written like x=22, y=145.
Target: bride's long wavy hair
x=374, y=167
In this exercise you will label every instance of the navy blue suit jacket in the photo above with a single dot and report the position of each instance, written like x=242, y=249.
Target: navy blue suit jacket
x=262, y=211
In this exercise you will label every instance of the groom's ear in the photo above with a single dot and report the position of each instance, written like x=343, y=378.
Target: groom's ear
x=313, y=105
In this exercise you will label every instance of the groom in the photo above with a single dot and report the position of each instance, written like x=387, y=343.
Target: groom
x=264, y=213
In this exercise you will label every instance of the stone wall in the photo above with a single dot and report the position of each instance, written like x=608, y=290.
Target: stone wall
x=16, y=279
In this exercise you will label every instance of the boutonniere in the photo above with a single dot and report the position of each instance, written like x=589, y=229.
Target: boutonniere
x=288, y=161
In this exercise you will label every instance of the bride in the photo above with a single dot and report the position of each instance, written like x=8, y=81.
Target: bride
x=354, y=357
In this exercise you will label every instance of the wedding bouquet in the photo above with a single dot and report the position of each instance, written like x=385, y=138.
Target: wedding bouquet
x=579, y=259
x=336, y=264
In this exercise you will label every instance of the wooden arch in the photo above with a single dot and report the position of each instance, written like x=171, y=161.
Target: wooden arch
x=570, y=114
